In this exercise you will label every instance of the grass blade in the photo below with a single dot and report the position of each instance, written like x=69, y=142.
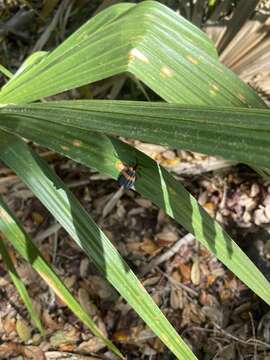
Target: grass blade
x=5, y=71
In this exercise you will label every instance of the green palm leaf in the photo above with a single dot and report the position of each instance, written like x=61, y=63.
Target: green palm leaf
x=63, y=205
x=104, y=153
x=150, y=41
x=235, y=134
x=180, y=64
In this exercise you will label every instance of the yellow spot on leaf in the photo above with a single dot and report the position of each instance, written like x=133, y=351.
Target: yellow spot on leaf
x=165, y=71
x=119, y=165
x=241, y=97
x=172, y=191
x=212, y=92
x=77, y=143
x=137, y=54
x=215, y=87
x=65, y=148
x=192, y=60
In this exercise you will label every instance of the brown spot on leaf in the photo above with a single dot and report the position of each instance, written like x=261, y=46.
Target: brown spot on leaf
x=119, y=165
x=77, y=143
x=64, y=147
x=242, y=97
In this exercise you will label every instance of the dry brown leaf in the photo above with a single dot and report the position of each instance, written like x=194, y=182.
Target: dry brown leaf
x=33, y=352
x=210, y=207
x=70, y=281
x=195, y=272
x=62, y=337
x=9, y=324
x=92, y=345
x=102, y=288
x=171, y=162
x=9, y=349
x=37, y=218
x=176, y=298
x=23, y=330
x=134, y=247
x=203, y=197
x=166, y=238
x=86, y=303
x=267, y=211
x=122, y=336
x=149, y=246
x=158, y=345
x=84, y=264
x=68, y=347
x=145, y=203
x=213, y=314
x=176, y=276
x=254, y=190
x=169, y=155
x=260, y=217
x=151, y=280
x=185, y=271
x=48, y=321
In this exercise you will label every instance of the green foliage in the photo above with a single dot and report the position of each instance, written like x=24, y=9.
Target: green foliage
x=179, y=63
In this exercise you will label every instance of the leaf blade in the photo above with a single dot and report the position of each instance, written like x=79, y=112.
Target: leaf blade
x=162, y=49
x=235, y=134
x=18, y=281
x=67, y=210
x=14, y=232
x=154, y=182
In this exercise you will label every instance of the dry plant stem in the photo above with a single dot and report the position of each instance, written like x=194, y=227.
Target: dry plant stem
x=55, y=246
x=254, y=335
x=117, y=87
x=48, y=232
x=51, y=28
x=230, y=336
x=77, y=183
x=112, y=202
x=204, y=166
x=179, y=284
x=8, y=180
x=187, y=239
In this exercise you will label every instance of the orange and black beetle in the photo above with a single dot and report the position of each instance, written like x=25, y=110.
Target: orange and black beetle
x=127, y=177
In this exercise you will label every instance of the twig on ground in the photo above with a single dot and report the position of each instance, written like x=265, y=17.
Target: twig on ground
x=46, y=233
x=112, y=202
x=179, y=284
x=187, y=239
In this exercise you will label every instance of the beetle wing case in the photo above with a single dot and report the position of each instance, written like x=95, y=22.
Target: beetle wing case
x=127, y=178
